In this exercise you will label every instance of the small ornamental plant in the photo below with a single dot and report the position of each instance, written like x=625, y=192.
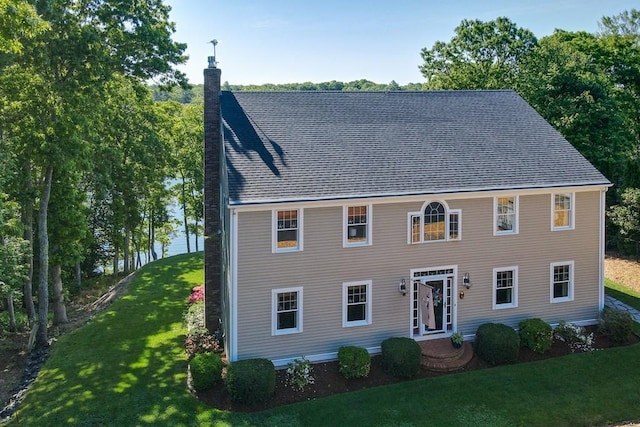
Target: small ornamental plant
x=197, y=294
x=299, y=374
x=457, y=339
x=574, y=335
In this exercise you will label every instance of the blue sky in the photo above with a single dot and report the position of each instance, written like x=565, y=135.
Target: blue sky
x=285, y=41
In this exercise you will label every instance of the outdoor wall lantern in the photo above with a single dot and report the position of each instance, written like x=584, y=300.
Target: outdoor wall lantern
x=466, y=280
x=402, y=287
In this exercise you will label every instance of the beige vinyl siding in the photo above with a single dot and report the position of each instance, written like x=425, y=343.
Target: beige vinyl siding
x=324, y=265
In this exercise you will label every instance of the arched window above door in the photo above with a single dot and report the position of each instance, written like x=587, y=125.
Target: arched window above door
x=434, y=223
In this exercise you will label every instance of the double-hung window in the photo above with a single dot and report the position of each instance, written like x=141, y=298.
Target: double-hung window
x=287, y=230
x=356, y=303
x=286, y=311
x=505, y=287
x=436, y=222
x=561, y=281
x=357, y=225
x=505, y=215
x=562, y=211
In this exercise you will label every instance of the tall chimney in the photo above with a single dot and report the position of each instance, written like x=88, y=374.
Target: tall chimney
x=212, y=198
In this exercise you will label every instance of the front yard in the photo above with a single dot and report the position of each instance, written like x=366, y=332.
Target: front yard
x=128, y=367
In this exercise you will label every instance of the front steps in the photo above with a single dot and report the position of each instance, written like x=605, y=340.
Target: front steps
x=440, y=356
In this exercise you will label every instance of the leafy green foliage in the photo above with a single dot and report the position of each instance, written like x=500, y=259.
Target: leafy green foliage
x=617, y=324
x=401, y=356
x=299, y=374
x=626, y=216
x=536, y=334
x=354, y=362
x=206, y=370
x=481, y=55
x=497, y=343
x=575, y=335
x=251, y=380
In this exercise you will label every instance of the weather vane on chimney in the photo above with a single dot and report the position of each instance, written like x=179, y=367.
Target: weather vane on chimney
x=212, y=59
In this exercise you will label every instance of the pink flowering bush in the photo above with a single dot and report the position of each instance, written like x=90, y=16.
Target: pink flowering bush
x=197, y=294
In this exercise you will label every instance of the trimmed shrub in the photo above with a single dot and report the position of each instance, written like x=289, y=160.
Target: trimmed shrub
x=497, y=343
x=617, y=324
x=251, y=381
x=401, y=356
x=536, y=334
x=206, y=370
x=354, y=362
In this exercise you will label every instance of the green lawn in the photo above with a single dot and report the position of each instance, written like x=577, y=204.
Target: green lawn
x=127, y=367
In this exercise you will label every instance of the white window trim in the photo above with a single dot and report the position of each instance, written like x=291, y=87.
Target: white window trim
x=367, y=321
x=274, y=311
x=274, y=231
x=459, y=213
x=571, y=281
x=447, y=214
x=572, y=214
x=516, y=217
x=345, y=226
x=514, y=299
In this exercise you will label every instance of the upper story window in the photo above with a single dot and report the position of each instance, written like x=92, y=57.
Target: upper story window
x=561, y=281
x=357, y=225
x=505, y=287
x=505, y=215
x=287, y=230
x=562, y=211
x=286, y=311
x=436, y=222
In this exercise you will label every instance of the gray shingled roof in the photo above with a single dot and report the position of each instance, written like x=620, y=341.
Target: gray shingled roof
x=284, y=146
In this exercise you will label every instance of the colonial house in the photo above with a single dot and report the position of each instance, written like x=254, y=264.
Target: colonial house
x=345, y=218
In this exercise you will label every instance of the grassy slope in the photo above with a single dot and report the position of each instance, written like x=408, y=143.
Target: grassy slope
x=127, y=367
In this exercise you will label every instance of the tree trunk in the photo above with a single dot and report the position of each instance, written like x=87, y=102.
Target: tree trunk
x=126, y=255
x=195, y=234
x=152, y=239
x=59, y=310
x=27, y=222
x=12, y=314
x=184, y=216
x=43, y=260
x=116, y=260
x=78, y=276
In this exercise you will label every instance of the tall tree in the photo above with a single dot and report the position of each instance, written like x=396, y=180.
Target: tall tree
x=88, y=42
x=481, y=55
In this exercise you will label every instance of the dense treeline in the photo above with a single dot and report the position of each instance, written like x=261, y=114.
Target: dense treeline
x=86, y=155
x=91, y=156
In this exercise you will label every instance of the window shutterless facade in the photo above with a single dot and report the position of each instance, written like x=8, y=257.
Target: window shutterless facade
x=562, y=211
x=286, y=311
x=505, y=215
x=561, y=281
x=287, y=230
x=435, y=223
x=357, y=225
x=356, y=303
x=505, y=287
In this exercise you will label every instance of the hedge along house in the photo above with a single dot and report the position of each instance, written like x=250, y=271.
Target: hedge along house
x=337, y=218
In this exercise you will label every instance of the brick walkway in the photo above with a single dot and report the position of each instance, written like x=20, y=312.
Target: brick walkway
x=614, y=303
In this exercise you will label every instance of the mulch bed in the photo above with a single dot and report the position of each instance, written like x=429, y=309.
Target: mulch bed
x=329, y=381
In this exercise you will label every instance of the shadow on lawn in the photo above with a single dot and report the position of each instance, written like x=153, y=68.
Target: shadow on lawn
x=127, y=366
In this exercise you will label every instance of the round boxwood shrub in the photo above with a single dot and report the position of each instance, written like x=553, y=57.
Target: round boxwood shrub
x=617, y=324
x=251, y=381
x=536, y=334
x=401, y=356
x=355, y=362
x=497, y=343
x=206, y=370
